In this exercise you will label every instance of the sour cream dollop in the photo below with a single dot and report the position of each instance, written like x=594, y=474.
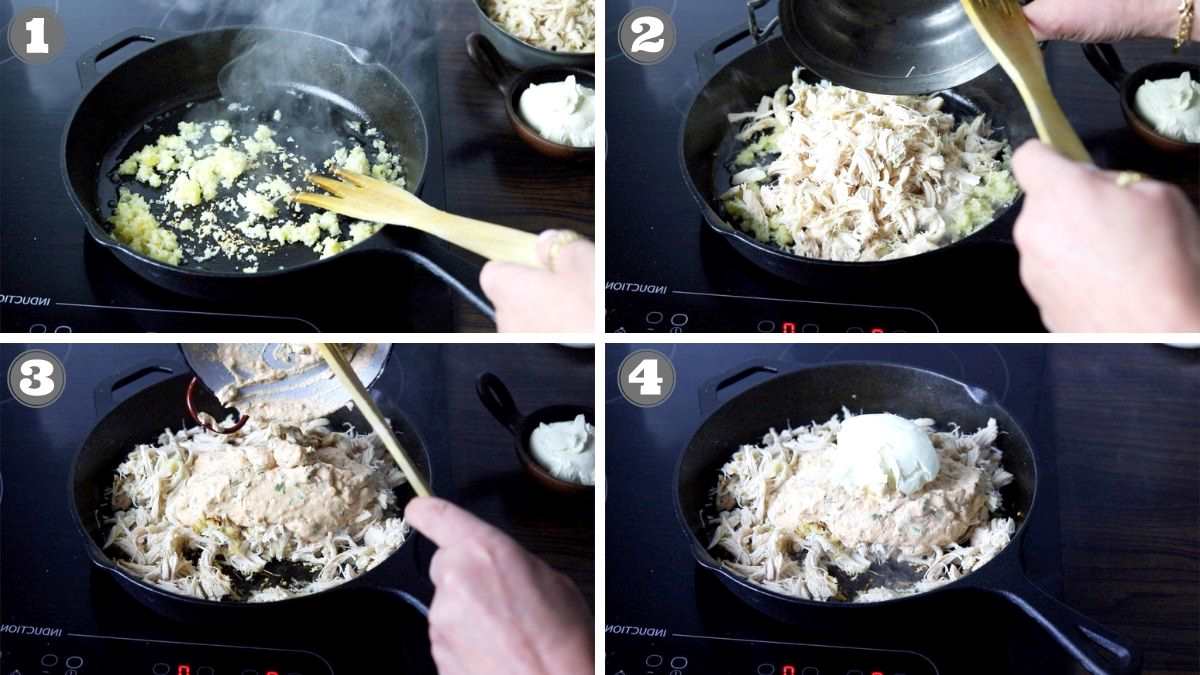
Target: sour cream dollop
x=1171, y=106
x=561, y=112
x=566, y=449
x=883, y=451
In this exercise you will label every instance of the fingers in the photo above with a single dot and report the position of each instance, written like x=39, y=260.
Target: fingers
x=568, y=254
x=1037, y=167
x=445, y=524
x=1045, y=20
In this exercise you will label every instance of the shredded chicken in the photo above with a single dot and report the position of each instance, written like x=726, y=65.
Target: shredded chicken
x=785, y=523
x=838, y=174
x=197, y=508
x=557, y=25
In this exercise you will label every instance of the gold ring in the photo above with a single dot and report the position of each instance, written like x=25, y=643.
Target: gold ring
x=1127, y=178
x=561, y=239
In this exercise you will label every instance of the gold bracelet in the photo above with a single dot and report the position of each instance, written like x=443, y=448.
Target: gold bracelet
x=1187, y=12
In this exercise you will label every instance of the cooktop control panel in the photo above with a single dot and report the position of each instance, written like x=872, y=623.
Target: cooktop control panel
x=684, y=312
x=682, y=654
x=74, y=654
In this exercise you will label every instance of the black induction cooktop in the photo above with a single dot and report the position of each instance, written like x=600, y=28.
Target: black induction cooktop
x=668, y=616
x=60, y=615
x=668, y=272
x=53, y=278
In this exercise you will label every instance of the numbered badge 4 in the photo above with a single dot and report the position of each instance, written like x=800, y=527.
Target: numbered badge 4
x=646, y=378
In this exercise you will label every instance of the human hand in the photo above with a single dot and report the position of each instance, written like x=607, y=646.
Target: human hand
x=497, y=608
x=1103, y=20
x=530, y=300
x=1099, y=257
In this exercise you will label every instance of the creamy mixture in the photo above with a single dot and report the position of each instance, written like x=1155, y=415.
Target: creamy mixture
x=566, y=449
x=197, y=509
x=833, y=173
x=561, y=112
x=296, y=363
x=1172, y=107
x=790, y=514
x=556, y=25
x=188, y=181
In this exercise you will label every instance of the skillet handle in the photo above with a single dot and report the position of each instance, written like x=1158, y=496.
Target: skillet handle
x=489, y=63
x=459, y=272
x=104, y=396
x=1105, y=60
x=86, y=65
x=710, y=390
x=1097, y=649
x=706, y=56
x=498, y=400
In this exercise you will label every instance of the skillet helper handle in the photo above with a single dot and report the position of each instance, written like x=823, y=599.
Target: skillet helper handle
x=498, y=400
x=489, y=63
x=105, y=395
x=706, y=56
x=1105, y=60
x=366, y=405
x=710, y=391
x=1097, y=649
x=86, y=66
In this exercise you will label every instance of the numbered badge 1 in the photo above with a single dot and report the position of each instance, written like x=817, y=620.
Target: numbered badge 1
x=36, y=378
x=646, y=378
x=36, y=35
x=647, y=35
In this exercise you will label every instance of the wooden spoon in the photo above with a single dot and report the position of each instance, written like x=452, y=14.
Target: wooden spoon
x=1005, y=30
x=374, y=200
x=358, y=393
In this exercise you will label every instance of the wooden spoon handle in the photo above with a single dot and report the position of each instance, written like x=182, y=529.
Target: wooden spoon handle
x=494, y=242
x=366, y=404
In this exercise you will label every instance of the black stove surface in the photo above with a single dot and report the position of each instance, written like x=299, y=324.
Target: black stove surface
x=53, y=278
x=667, y=272
x=60, y=615
x=668, y=616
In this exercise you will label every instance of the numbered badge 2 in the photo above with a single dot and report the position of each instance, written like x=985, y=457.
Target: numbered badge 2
x=647, y=35
x=36, y=378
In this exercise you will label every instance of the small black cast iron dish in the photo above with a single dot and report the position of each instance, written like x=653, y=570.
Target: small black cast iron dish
x=1105, y=60
x=499, y=401
x=512, y=83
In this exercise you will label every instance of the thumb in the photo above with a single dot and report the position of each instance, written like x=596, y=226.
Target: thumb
x=1038, y=168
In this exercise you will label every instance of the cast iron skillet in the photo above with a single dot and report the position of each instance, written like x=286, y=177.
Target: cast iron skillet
x=155, y=86
x=707, y=148
x=818, y=393
x=142, y=418
x=499, y=401
x=1105, y=60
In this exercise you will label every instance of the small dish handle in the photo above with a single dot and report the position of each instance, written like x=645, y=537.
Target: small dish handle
x=489, y=63
x=1106, y=62
x=497, y=399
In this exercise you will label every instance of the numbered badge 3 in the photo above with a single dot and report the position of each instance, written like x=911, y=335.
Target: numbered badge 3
x=36, y=378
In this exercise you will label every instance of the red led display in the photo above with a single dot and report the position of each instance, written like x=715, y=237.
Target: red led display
x=789, y=670
x=876, y=672
x=789, y=327
x=877, y=330
x=272, y=672
x=184, y=669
